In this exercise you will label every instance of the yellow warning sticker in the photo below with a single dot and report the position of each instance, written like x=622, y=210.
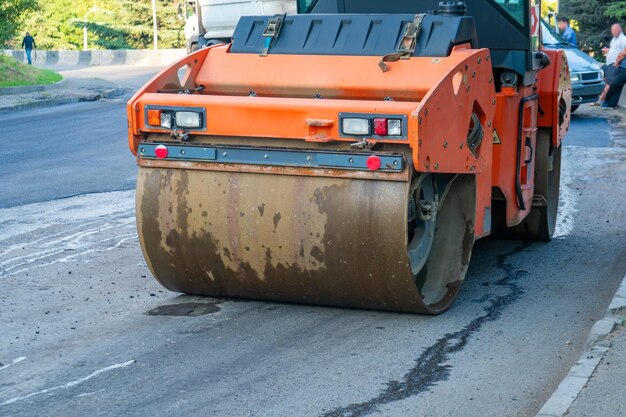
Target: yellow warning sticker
x=496, y=137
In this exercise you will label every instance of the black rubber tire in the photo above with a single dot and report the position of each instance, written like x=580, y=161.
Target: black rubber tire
x=212, y=42
x=440, y=280
x=540, y=224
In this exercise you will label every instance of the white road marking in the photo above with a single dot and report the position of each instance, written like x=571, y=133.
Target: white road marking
x=13, y=271
x=30, y=236
x=81, y=209
x=568, y=200
x=71, y=383
x=16, y=360
x=89, y=394
x=567, y=211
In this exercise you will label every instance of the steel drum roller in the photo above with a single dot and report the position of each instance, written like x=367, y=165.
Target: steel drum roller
x=302, y=239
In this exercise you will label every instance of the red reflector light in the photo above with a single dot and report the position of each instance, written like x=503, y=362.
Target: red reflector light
x=160, y=152
x=380, y=127
x=154, y=117
x=373, y=163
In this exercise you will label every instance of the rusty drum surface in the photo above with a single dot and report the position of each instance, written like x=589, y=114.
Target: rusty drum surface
x=312, y=240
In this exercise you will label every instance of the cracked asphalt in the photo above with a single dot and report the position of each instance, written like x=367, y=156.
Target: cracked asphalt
x=86, y=331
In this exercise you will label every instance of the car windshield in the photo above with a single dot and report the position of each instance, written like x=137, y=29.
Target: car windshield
x=550, y=36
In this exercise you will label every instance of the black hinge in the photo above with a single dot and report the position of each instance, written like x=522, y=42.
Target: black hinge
x=407, y=45
x=271, y=32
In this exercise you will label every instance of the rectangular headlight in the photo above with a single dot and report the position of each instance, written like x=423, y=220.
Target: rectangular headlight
x=575, y=77
x=188, y=119
x=354, y=126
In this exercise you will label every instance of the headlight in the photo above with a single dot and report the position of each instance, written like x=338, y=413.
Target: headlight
x=354, y=126
x=188, y=119
x=172, y=118
x=575, y=77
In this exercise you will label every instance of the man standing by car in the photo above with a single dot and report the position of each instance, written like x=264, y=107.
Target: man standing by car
x=28, y=43
x=617, y=45
x=615, y=91
x=567, y=33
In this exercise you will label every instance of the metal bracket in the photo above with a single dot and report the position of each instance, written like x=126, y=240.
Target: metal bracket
x=179, y=135
x=407, y=45
x=272, y=31
x=363, y=144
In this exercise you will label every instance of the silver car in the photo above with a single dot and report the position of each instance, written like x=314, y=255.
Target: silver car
x=587, y=75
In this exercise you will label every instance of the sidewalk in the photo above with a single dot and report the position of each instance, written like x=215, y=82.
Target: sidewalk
x=596, y=384
x=80, y=83
x=70, y=90
x=605, y=393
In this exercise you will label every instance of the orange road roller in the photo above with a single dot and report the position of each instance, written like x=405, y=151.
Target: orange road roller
x=350, y=155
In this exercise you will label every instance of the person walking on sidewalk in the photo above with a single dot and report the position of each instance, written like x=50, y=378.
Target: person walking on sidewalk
x=617, y=45
x=28, y=43
x=619, y=80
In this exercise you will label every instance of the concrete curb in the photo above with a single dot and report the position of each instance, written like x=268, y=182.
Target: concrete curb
x=106, y=94
x=101, y=57
x=23, y=89
x=569, y=389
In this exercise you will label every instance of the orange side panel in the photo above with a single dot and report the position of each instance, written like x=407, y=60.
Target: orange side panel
x=505, y=153
x=555, y=90
x=444, y=122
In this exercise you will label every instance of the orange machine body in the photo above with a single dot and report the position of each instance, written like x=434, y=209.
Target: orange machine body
x=300, y=97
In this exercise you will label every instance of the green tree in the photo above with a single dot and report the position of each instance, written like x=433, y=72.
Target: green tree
x=111, y=24
x=594, y=19
x=12, y=13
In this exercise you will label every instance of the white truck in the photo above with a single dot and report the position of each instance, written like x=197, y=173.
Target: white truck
x=214, y=21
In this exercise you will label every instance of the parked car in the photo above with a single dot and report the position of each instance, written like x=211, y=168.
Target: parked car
x=587, y=75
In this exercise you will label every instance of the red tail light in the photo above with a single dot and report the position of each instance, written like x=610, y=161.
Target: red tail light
x=380, y=127
x=160, y=152
x=373, y=163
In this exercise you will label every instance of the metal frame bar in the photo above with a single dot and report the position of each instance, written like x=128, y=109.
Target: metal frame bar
x=273, y=157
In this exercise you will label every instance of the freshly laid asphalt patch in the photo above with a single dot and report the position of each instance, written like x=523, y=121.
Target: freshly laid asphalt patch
x=590, y=132
x=185, y=309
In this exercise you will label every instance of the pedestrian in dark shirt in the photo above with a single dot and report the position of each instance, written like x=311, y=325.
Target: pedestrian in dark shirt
x=28, y=43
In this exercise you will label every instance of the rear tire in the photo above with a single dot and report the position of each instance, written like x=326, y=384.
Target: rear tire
x=193, y=47
x=450, y=242
x=213, y=42
x=540, y=223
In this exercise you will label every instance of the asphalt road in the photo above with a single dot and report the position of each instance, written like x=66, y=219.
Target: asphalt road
x=73, y=149
x=86, y=331
x=64, y=151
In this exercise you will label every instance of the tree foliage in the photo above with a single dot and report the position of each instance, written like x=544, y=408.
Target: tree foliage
x=111, y=24
x=12, y=13
x=594, y=18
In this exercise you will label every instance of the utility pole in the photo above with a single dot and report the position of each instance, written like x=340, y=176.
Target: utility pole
x=85, y=36
x=154, y=25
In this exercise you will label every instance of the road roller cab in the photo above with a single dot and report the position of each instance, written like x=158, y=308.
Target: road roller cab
x=352, y=155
